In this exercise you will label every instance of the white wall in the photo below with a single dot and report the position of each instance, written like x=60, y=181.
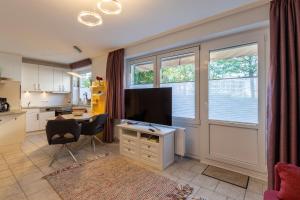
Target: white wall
x=99, y=66
x=44, y=99
x=10, y=66
x=242, y=20
x=220, y=26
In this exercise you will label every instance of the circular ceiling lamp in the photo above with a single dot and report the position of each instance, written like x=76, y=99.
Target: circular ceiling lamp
x=110, y=7
x=89, y=18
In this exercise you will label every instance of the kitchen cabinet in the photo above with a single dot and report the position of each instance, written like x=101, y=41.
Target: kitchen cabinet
x=43, y=119
x=30, y=77
x=66, y=82
x=36, y=120
x=58, y=76
x=45, y=79
x=62, y=81
x=12, y=132
x=32, y=120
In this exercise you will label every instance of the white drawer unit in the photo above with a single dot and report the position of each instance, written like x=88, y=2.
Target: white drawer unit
x=150, y=157
x=129, y=151
x=152, y=148
x=130, y=140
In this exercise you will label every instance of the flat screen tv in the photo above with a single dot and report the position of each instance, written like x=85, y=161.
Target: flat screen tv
x=153, y=105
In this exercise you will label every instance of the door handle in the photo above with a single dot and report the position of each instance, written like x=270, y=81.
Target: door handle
x=37, y=117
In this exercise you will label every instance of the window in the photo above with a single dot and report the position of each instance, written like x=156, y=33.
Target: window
x=81, y=88
x=233, y=81
x=175, y=69
x=141, y=75
x=178, y=72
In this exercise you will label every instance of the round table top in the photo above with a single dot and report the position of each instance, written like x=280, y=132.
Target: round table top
x=84, y=117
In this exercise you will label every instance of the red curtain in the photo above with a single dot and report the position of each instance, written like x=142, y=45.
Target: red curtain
x=115, y=91
x=283, y=117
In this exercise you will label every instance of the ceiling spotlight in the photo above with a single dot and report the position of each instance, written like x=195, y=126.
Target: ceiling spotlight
x=110, y=7
x=89, y=18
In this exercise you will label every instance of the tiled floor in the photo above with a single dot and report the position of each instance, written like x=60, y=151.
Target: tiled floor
x=21, y=172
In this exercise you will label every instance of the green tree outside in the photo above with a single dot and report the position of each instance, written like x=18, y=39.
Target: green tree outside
x=236, y=67
x=169, y=74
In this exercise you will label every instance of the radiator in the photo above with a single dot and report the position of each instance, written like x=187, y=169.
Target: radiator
x=180, y=141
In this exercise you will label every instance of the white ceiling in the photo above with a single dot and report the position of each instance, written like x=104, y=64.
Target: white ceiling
x=47, y=29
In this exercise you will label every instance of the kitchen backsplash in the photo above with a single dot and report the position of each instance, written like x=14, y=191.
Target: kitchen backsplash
x=44, y=99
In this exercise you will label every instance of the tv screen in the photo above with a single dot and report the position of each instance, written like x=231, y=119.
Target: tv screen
x=153, y=105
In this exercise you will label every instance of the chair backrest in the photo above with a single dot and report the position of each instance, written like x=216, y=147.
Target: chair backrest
x=95, y=126
x=61, y=128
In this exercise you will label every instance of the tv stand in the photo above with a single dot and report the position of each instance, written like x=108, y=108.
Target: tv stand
x=155, y=127
x=154, y=148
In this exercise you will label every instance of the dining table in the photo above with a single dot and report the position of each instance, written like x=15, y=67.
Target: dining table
x=79, y=118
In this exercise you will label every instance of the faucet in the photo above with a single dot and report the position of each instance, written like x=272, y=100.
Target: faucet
x=28, y=104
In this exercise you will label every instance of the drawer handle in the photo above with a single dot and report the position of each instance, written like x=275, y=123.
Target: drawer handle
x=148, y=156
x=129, y=141
x=129, y=149
x=149, y=146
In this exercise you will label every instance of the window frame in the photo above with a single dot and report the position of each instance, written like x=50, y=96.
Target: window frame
x=246, y=124
x=196, y=52
x=82, y=70
x=139, y=61
x=258, y=36
x=156, y=59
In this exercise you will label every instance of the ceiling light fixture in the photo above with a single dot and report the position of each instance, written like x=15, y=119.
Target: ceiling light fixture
x=110, y=7
x=89, y=18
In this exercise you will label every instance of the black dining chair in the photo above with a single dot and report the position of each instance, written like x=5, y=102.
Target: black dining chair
x=62, y=132
x=94, y=127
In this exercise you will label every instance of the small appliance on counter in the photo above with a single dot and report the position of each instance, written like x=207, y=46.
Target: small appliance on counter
x=4, y=106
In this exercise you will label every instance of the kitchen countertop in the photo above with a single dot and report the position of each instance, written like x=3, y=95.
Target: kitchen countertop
x=38, y=107
x=12, y=112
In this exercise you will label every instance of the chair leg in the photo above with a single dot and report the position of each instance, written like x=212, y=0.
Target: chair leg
x=55, y=155
x=96, y=138
x=93, y=144
x=70, y=152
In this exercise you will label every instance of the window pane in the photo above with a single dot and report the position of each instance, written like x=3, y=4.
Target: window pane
x=179, y=73
x=233, y=84
x=142, y=75
x=84, y=88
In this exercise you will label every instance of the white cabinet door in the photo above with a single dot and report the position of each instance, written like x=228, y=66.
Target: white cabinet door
x=30, y=77
x=57, y=80
x=66, y=82
x=45, y=79
x=43, y=119
x=32, y=121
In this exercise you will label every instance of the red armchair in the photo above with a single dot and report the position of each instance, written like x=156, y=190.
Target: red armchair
x=290, y=188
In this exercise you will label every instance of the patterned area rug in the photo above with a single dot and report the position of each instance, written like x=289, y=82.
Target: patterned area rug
x=227, y=176
x=114, y=178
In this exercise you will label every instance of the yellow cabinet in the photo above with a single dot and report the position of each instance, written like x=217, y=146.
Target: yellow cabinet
x=98, y=90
